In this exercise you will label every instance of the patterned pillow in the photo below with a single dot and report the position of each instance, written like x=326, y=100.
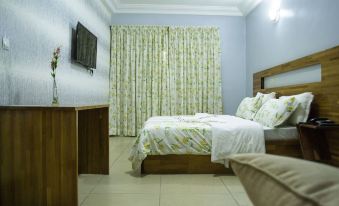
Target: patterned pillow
x=263, y=98
x=250, y=106
x=246, y=108
x=276, y=111
x=303, y=110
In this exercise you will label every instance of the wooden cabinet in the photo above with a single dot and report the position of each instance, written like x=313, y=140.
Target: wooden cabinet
x=314, y=142
x=43, y=149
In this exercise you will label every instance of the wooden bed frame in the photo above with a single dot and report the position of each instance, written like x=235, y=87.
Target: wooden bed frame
x=325, y=104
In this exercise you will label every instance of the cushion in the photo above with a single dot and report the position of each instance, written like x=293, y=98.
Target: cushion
x=265, y=97
x=246, y=109
x=303, y=109
x=250, y=106
x=280, y=181
x=276, y=111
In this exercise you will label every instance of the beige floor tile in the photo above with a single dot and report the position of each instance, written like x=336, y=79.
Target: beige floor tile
x=121, y=200
x=120, y=167
x=81, y=198
x=196, y=200
x=124, y=187
x=202, y=184
x=230, y=180
x=118, y=140
x=242, y=199
x=124, y=156
x=114, y=154
x=120, y=157
x=87, y=182
x=236, y=188
x=113, y=158
x=118, y=149
x=126, y=183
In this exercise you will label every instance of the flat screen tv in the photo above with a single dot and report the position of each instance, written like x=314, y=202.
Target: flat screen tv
x=85, y=48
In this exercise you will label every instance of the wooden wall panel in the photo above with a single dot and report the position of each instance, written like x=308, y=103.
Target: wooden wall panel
x=326, y=92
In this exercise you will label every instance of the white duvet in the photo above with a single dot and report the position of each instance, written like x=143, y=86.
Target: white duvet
x=218, y=135
x=232, y=135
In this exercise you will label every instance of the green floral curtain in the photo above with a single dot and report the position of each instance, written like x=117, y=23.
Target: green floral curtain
x=157, y=71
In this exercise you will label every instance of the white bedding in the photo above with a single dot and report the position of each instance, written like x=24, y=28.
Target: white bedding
x=233, y=135
x=281, y=133
x=218, y=135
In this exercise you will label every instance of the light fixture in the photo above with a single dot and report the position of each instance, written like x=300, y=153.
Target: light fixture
x=274, y=13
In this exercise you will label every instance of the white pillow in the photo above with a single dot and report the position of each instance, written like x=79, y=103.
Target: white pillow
x=276, y=111
x=250, y=106
x=263, y=98
x=303, y=110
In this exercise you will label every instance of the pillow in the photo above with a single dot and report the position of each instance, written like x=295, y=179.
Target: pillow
x=276, y=111
x=279, y=181
x=250, y=106
x=246, y=108
x=303, y=110
x=265, y=97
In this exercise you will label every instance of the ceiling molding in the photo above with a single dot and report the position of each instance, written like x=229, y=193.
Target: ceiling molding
x=247, y=6
x=235, y=10
x=109, y=4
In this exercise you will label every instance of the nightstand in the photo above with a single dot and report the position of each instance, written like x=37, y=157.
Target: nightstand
x=314, y=143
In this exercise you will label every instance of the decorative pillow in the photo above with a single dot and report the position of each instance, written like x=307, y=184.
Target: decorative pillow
x=263, y=98
x=279, y=181
x=276, y=111
x=303, y=110
x=250, y=106
x=246, y=109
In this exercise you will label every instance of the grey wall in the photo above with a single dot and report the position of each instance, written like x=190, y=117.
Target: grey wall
x=232, y=30
x=35, y=28
x=305, y=27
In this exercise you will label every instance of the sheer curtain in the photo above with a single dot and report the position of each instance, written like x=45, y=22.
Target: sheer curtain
x=157, y=70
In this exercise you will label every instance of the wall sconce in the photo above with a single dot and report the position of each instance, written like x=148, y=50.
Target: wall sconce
x=274, y=13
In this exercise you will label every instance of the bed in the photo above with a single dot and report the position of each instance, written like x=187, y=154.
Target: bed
x=190, y=137
x=200, y=134
x=173, y=140
x=279, y=141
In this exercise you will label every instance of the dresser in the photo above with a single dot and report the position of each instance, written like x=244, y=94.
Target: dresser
x=44, y=148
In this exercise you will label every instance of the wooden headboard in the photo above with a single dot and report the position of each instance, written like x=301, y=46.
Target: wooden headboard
x=326, y=92
x=326, y=100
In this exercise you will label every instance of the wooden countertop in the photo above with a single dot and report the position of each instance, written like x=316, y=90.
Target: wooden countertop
x=61, y=107
x=318, y=127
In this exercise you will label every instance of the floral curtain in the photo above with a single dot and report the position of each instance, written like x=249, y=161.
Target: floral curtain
x=157, y=71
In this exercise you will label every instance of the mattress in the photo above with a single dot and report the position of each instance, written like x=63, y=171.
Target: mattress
x=281, y=133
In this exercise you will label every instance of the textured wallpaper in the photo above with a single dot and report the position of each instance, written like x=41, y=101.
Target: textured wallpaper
x=35, y=28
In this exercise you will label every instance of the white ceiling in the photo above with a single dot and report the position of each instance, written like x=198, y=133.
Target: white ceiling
x=197, y=7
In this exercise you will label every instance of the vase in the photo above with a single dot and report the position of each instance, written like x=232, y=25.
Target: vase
x=55, y=100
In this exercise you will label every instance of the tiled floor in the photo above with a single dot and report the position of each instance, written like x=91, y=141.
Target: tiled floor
x=125, y=188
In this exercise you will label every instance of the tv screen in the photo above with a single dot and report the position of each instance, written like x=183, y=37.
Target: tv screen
x=86, y=47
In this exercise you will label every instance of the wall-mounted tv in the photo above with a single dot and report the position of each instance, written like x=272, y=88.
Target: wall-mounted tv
x=85, y=51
